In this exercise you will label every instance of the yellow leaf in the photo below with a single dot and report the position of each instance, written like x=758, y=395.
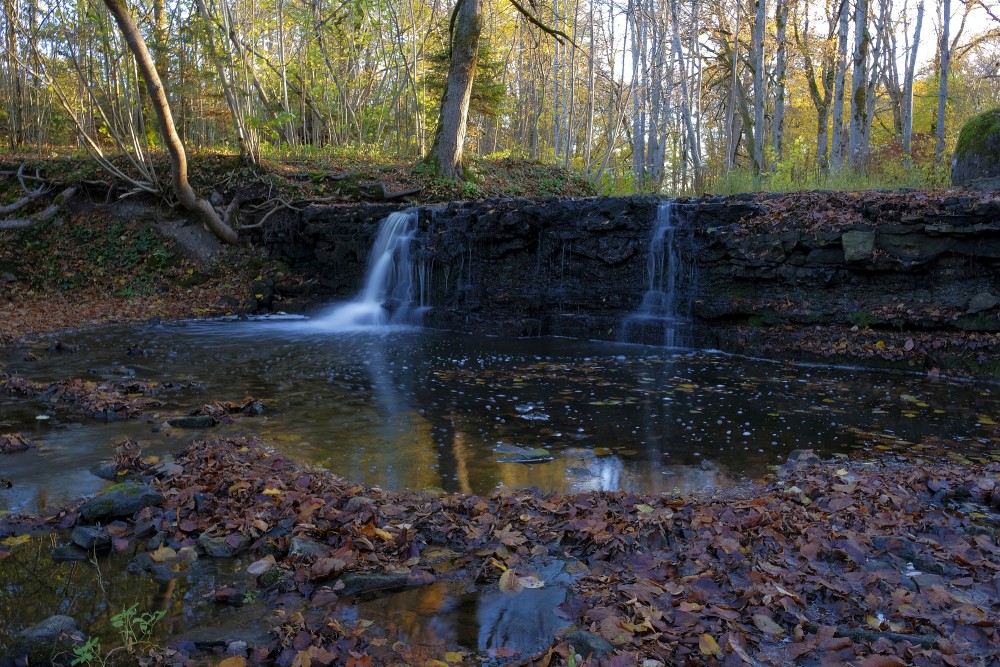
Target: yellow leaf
x=509, y=583
x=163, y=554
x=454, y=656
x=272, y=492
x=708, y=646
x=234, y=661
x=880, y=345
x=645, y=509
x=16, y=540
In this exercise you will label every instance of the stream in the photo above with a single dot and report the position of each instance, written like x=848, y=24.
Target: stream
x=404, y=408
x=408, y=408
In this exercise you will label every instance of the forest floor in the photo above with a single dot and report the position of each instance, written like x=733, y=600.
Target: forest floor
x=864, y=563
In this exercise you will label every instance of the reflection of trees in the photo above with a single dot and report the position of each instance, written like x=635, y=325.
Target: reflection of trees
x=33, y=587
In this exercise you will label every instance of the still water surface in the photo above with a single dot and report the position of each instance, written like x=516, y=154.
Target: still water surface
x=418, y=409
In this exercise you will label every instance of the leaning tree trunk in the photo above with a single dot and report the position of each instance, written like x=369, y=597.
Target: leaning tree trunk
x=467, y=26
x=178, y=159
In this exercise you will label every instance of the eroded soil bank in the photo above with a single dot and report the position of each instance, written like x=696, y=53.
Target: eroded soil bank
x=842, y=562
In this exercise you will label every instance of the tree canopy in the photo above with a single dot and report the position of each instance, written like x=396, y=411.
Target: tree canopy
x=663, y=95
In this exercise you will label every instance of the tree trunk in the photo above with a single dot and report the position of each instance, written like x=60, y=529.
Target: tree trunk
x=759, y=97
x=453, y=124
x=781, y=24
x=158, y=97
x=840, y=84
x=944, y=61
x=859, y=86
x=907, y=110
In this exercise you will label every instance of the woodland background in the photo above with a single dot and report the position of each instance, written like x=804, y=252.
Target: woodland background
x=658, y=95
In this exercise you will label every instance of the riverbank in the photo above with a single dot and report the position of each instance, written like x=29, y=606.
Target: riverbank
x=848, y=562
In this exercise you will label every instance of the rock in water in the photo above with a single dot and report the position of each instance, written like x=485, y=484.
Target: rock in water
x=977, y=152
x=120, y=500
x=47, y=643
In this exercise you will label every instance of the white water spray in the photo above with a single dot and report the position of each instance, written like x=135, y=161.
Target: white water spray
x=388, y=295
x=662, y=308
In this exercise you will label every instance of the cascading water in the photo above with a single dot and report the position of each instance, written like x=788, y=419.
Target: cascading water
x=392, y=293
x=663, y=317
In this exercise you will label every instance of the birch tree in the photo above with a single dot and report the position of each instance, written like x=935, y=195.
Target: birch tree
x=759, y=93
x=859, y=86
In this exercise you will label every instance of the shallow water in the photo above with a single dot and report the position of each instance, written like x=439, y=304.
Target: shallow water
x=417, y=409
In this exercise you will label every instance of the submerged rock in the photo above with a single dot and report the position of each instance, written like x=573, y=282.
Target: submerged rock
x=120, y=500
x=47, y=643
x=589, y=645
x=193, y=421
x=89, y=537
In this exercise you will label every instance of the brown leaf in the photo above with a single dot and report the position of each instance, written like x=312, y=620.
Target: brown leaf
x=882, y=661
x=767, y=625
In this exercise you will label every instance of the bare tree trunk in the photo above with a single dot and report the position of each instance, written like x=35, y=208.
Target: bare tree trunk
x=944, y=60
x=450, y=139
x=731, y=138
x=907, y=110
x=840, y=83
x=859, y=86
x=759, y=96
x=686, y=115
x=781, y=24
x=178, y=159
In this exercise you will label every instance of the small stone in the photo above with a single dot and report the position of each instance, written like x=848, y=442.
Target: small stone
x=49, y=630
x=223, y=547
x=306, y=548
x=192, y=421
x=858, y=246
x=589, y=645
x=360, y=583
x=89, y=537
x=274, y=578
x=105, y=470
x=982, y=301
x=8, y=277
x=69, y=553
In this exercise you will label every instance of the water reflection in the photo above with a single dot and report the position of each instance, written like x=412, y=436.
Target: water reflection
x=421, y=409
x=448, y=613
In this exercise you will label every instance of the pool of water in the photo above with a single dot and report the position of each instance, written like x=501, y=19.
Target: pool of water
x=417, y=409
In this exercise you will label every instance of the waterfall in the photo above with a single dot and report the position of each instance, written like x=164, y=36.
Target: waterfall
x=393, y=290
x=663, y=317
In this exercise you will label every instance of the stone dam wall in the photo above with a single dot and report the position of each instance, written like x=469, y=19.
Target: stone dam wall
x=578, y=267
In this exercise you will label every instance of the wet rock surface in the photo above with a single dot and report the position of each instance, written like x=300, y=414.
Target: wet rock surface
x=885, y=261
x=120, y=500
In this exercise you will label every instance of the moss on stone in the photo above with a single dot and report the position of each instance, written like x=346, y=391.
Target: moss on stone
x=974, y=134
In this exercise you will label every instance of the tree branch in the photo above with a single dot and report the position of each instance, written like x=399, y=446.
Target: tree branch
x=559, y=35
